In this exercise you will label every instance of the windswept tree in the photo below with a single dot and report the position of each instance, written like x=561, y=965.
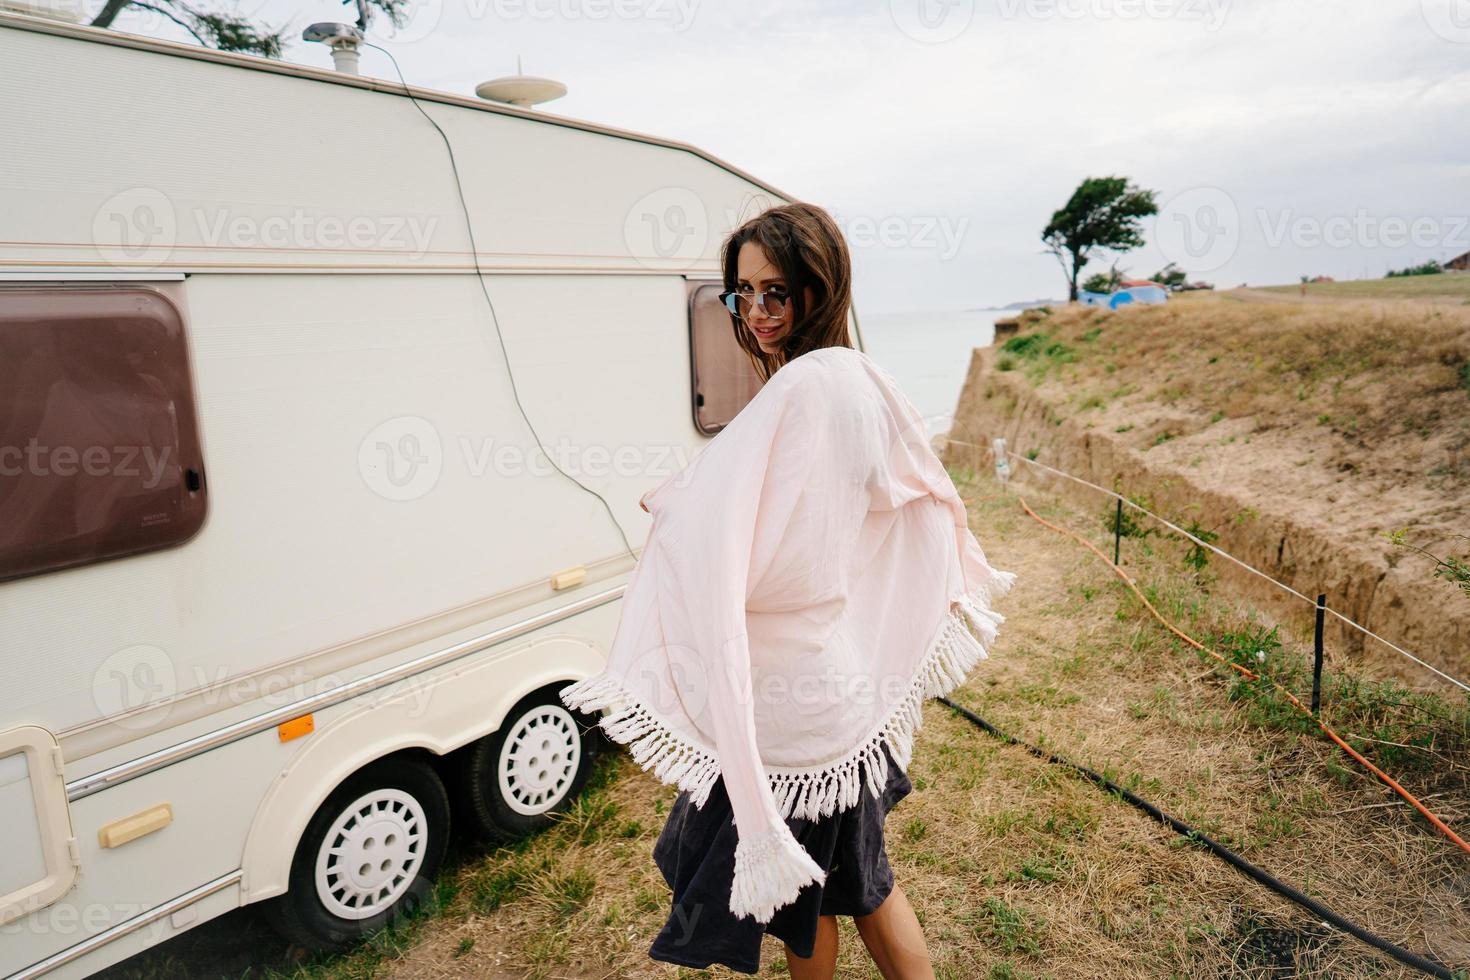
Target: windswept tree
x=231, y=32
x=1103, y=213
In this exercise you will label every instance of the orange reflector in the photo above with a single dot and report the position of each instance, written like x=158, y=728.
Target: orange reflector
x=296, y=727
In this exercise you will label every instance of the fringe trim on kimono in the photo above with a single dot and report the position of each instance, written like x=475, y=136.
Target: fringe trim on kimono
x=820, y=790
x=770, y=870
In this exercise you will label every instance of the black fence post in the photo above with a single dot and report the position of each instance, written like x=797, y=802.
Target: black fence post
x=1317, y=655
x=1117, y=529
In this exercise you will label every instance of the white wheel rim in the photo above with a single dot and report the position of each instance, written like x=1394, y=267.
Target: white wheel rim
x=371, y=854
x=539, y=759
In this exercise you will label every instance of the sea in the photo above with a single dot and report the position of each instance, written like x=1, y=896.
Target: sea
x=928, y=354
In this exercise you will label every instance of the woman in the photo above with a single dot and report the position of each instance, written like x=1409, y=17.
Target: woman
x=791, y=246
x=816, y=553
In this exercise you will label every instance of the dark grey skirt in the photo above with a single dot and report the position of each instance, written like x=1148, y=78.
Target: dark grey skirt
x=696, y=853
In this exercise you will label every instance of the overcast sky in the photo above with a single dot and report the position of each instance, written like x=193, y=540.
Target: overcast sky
x=1284, y=137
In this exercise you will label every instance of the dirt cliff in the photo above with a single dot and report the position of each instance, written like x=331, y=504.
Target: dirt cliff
x=1301, y=436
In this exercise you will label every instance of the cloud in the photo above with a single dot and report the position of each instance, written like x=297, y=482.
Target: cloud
x=1309, y=109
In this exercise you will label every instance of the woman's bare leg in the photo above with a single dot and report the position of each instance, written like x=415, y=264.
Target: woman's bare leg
x=895, y=940
x=822, y=964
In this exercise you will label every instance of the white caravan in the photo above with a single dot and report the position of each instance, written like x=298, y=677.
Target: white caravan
x=284, y=578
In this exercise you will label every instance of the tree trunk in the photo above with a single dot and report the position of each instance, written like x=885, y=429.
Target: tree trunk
x=109, y=12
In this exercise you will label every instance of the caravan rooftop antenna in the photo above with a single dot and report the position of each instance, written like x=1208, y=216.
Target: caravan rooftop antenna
x=520, y=90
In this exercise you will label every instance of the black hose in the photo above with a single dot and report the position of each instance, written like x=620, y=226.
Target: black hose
x=1220, y=850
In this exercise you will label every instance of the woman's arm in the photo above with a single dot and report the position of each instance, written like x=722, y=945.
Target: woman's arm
x=734, y=510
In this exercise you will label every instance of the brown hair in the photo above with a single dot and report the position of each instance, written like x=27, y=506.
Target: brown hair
x=805, y=243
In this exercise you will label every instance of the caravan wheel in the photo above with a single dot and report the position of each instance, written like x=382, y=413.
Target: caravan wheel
x=368, y=856
x=511, y=781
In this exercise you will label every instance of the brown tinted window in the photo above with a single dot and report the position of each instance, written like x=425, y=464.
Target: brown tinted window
x=724, y=378
x=99, y=450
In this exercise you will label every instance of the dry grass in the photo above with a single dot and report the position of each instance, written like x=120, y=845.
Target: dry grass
x=1382, y=377
x=1017, y=868
x=1448, y=288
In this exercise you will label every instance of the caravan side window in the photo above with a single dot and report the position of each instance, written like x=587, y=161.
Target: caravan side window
x=724, y=380
x=99, y=446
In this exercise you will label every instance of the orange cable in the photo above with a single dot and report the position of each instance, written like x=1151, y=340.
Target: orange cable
x=1407, y=796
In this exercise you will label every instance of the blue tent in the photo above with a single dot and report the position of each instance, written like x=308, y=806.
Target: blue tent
x=1137, y=294
x=1122, y=297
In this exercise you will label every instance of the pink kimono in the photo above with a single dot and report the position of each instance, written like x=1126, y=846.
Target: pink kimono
x=805, y=586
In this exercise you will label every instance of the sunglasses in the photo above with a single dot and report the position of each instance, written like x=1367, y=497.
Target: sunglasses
x=771, y=302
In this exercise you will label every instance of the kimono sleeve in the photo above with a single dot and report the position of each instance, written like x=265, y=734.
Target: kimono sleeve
x=925, y=471
x=726, y=519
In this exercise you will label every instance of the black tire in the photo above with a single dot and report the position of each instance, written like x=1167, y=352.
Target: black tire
x=545, y=752
x=399, y=835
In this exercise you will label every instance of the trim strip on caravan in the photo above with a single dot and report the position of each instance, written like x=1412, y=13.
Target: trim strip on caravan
x=128, y=925
x=85, y=275
x=187, y=749
x=86, y=739
x=635, y=268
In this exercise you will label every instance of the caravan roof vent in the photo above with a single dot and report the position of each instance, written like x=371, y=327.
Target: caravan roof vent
x=343, y=39
x=520, y=90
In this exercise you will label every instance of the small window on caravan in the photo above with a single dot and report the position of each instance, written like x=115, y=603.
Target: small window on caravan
x=99, y=450
x=724, y=378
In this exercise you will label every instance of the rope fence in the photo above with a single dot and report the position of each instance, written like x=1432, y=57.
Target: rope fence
x=1002, y=456
x=1253, y=675
x=1426, y=964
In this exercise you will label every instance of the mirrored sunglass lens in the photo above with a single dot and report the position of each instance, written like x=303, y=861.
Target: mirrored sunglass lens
x=775, y=304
